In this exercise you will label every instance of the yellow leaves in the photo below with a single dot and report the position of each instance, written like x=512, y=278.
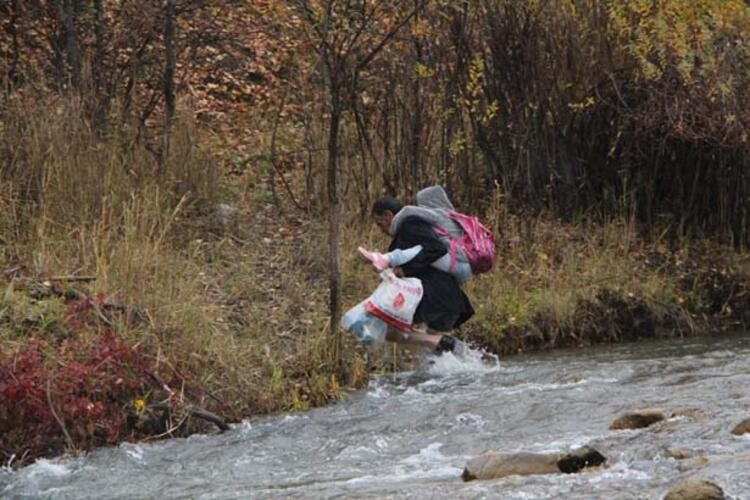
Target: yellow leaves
x=581, y=105
x=570, y=7
x=299, y=401
x=423, y=71
x=476, y=75
x=687, y=37
x=685, y=68
x=650, y=70
x=457, y=146
x=474, y=84
x=139, y=405
x=420, y=28
x=489, y=113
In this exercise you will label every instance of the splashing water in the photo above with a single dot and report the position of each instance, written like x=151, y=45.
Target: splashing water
x=470, y=361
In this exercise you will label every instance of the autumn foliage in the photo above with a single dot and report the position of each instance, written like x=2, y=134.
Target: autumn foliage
x=68, y=395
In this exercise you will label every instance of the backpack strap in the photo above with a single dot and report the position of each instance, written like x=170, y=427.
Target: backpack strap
x=452, y=250
x=451, y=245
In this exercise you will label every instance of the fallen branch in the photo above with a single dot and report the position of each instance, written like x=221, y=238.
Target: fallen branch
x=69, y=278
x=13, y=271
x=68, y=439
x=73, y=293
x=209, y=417
x=72, y=278
x=42, y=289
x=171, y=404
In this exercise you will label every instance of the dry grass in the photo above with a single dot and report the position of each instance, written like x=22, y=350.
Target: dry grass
x=556, y=268
x=238, y=321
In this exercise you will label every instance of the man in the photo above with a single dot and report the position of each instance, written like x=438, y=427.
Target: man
x=444, y=306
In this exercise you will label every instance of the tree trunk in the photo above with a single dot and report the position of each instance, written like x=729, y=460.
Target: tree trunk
x=67, y=13
x=12, y=30
x=99, y=44
x=101, y=97
x=334, y=221
x=416, y=120
x=169, y=30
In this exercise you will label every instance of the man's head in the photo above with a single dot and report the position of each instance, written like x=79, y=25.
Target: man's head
x=383, y=211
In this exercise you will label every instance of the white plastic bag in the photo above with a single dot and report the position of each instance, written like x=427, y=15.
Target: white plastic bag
x=395, y=300
x=366, y=328
x=393, y=303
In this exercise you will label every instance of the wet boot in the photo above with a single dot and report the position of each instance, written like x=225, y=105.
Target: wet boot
x=448, y=343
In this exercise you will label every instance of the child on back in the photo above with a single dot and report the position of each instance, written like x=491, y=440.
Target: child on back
x=460, y=270
x=470, y=245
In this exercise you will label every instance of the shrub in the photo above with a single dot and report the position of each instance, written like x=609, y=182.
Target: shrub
x=70, y=396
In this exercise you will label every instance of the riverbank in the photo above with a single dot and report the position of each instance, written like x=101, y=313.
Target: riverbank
x=88, y=368
x=581, y=285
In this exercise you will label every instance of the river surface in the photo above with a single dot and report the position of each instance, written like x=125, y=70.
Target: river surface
x=410, y=435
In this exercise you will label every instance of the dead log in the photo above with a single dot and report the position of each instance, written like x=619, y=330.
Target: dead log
x=173, y=404
x=41, y=290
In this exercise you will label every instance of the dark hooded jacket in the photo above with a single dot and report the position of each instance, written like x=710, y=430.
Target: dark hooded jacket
x=444, y=305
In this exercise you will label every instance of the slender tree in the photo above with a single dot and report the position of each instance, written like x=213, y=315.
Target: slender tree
x=169, y=62
x=348, y=36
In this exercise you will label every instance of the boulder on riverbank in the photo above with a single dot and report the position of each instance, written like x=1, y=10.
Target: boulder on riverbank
x=638, y=419
x=493, y=465
x=695, y=489
x=742, y=428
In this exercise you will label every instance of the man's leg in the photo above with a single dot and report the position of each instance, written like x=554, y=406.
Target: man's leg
x=414, y=337
x=437, y=341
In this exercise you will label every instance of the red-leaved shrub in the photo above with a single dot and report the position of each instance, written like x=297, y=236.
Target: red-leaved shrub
x=83, y=386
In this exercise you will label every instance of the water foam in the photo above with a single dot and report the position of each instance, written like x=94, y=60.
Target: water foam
x=542, y=387
x=134, y=451
x=44, y=467
x=618, y=471
x=427, y=463
x=471, y=361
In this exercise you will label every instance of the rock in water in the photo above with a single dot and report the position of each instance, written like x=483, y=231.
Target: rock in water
x=695, y=489
x=742, y=428
x=580, y=459
x=638, y=419
x=493, y=465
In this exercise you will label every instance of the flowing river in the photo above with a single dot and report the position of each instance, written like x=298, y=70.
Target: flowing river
x=410, y=435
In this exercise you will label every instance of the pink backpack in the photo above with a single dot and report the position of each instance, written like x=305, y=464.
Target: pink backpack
x=477, y=243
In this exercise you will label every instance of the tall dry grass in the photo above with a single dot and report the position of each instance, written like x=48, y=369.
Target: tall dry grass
x=234, y=322
x=549, y=275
